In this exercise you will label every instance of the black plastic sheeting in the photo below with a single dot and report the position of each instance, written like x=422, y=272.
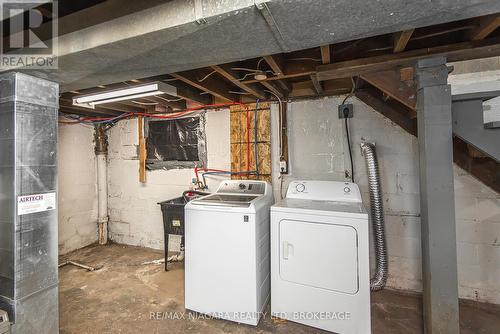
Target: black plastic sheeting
x=178, y=143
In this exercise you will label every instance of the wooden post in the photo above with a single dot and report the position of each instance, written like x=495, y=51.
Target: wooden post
x=142, y=150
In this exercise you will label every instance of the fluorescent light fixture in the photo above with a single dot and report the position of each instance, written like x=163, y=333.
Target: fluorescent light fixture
x=123, y=94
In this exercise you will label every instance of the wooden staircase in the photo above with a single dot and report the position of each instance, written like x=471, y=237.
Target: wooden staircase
x=393, y=94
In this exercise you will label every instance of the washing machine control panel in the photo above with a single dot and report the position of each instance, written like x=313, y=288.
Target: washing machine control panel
x=243, y=187
x=324, y=191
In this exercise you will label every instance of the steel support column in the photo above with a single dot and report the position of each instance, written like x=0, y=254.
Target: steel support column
x=439, y=253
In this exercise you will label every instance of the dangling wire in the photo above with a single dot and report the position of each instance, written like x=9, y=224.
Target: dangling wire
x=354, y=84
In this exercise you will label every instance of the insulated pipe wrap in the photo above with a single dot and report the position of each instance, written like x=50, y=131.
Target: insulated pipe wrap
x=377, y=282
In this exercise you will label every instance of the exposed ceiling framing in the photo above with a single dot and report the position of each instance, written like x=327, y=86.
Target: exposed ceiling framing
x=384, y=61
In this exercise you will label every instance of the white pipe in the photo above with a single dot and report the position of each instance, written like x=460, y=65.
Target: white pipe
x=102, y=198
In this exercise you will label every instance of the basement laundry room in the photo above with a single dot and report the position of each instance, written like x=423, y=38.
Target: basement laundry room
x=250, y=167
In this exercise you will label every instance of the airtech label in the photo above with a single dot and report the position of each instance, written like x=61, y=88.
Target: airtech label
x=36, y=203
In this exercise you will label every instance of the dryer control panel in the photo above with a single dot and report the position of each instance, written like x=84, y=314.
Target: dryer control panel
x=324, y=191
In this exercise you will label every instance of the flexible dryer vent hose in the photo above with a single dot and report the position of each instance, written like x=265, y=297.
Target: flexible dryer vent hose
x=377, y=282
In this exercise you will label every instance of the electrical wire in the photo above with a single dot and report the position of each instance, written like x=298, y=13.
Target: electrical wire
x=112, y=120
x=145, y=103
x=354, y=84
x=306, y=58
x=259, y=62
x=239, y=93
x=350, y=150
x=100, y=120
x=210, y=171
x=280, y=121
x=207, y=76
x=168, y=100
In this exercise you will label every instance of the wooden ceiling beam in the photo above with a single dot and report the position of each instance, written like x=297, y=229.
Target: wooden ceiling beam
x=121, y=107
x=211, y=85
x=391, y=84
x=167, y=100
x=487, y=25
x=285, y=86
x=294, y=69
x=189, y=93
x=453, y=52
x=271, y=86
x=317, y=85
x=226, y=72
x=370, y=97
x=276, y=64
x=325, y=54
x=401, y=39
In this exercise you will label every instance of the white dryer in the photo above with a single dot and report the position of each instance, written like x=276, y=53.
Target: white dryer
x=320, y=257
x=227, y=269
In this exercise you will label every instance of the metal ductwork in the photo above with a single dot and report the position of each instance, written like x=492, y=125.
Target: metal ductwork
x=377, y=282
x=28, y=203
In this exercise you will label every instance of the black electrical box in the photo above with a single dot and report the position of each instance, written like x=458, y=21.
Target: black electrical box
x=346, y=111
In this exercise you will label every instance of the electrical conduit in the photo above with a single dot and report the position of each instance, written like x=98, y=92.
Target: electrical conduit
x=377, y=282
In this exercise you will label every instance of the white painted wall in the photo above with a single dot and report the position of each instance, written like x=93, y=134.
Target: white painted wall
x=135, y=216
x=318, y=150
x=77, y=188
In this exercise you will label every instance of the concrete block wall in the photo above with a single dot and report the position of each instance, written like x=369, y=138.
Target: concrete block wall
x=318, y=150
x=77, y=188
x=135, y=216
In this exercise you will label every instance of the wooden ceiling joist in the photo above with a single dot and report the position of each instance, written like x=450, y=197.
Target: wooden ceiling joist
x=487, y=25
x=401, y=39
x=391, y=84
x=276, y=64
x=229, y=74
x=272, y=87
x=372, y=98
x=188, y=92
x=167, y=100
x=453, y=52
x=121, y=107
x=317, y=85
x=325, y=54
x=211, y=85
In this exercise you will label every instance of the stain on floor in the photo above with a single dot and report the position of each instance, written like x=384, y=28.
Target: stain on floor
x=125, y=296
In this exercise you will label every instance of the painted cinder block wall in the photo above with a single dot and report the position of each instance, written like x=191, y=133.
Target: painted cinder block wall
x=135, y=216
x=317, y=150
x=77, y=195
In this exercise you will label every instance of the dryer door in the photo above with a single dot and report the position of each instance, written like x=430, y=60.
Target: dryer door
x=319, y=255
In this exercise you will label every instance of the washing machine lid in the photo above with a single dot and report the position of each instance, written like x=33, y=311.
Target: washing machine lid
x=226, y=200
x=325, y=208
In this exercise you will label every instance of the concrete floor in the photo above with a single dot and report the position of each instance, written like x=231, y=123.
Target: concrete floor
x=119, y=298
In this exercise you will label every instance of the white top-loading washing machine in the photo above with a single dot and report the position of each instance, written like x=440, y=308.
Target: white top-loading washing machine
x=227, y=248
x=320, y=257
